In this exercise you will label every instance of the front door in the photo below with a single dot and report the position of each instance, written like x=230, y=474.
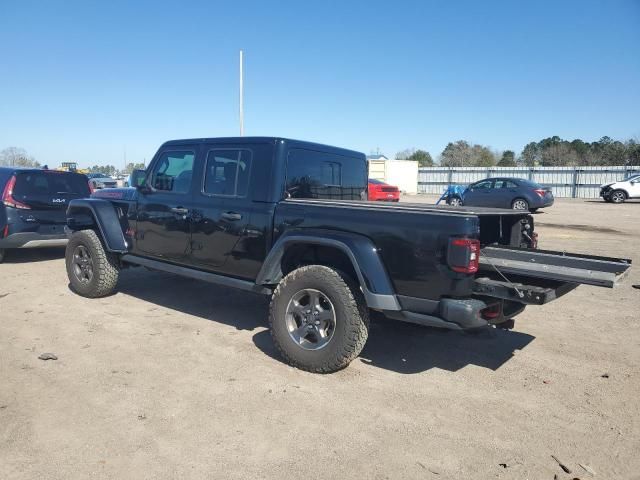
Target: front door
x=222, y=210
x=634, y=187
x=479, y=194
x=163, y=225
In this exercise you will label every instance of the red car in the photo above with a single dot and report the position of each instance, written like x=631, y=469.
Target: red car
x=384, y=192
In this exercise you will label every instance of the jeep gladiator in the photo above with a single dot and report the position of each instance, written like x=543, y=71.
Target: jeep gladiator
x=289, y=219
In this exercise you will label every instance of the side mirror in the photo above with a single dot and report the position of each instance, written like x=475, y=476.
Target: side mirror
x=138, y=178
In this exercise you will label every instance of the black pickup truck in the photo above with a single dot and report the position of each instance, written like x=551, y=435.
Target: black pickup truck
x=288, y=219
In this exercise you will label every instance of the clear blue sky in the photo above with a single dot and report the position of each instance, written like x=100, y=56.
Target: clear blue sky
x=80, y=81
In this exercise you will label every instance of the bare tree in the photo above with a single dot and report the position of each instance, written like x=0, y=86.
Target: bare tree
x=17, y=157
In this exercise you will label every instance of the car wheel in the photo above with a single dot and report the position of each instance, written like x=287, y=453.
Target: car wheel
x=520, y=204
x=618, y=196
x=3, y=253
x=93, y=272
x=318, y=319
x=455, y=201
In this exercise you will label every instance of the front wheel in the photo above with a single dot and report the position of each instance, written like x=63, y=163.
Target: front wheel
x=318, y=319
x=618, y=196
x=455, y=201
x=520, y=204
x=93, y=272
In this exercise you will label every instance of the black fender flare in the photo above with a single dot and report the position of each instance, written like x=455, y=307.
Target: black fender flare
x=104, y=217
x=372, y=275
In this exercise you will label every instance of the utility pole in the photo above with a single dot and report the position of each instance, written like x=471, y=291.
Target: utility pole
x=241, y=98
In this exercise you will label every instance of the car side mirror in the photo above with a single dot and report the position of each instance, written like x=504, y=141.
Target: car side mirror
x=138, y=179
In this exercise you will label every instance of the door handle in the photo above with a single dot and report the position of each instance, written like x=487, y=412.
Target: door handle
x=231, y=216
x=179, y=210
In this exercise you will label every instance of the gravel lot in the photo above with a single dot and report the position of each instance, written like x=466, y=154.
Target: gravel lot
x=173, y=378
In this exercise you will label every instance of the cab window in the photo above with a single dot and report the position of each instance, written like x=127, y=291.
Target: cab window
x=314, y=174
x=227, y=172
x=173, y=172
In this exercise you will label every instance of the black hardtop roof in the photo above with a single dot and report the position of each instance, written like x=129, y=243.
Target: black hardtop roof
x=248, y=140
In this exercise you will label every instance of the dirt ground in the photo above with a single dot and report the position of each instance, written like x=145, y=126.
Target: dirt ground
x=174, y=378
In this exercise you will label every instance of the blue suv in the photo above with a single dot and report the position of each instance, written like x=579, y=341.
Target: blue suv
x=33, y=206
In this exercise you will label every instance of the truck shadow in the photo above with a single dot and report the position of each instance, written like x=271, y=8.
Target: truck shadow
x=407, y=348
x=392, y=345
x=239, y=309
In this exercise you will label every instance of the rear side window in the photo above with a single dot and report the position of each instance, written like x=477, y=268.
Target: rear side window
x=505, y=184
x=312, y=174
x=227, y=172
x=173, y=171
x=50, y=183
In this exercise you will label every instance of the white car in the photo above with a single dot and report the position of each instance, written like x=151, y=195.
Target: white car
x=618, y=192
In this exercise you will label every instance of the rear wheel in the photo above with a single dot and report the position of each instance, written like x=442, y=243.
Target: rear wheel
x=92, y=271
x=455, y=201
x=520, y=204
x=618, y=196
x=3, y=252
x=318, y=319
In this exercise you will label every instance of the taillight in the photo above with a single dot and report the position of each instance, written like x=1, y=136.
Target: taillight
x=541, y=193
x=7, y=196
x=463, y=255
x=91, y=189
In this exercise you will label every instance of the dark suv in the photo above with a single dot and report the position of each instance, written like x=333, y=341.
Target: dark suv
x=34, y=202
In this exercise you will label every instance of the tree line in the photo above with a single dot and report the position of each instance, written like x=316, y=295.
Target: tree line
x=548, y=152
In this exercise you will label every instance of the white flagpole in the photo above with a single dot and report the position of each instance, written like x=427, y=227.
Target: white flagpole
x=241, y=98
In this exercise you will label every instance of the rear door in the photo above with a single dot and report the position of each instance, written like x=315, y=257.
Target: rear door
x=222, y=209
x=163, y=219
x=45, y=194
x=504, y=192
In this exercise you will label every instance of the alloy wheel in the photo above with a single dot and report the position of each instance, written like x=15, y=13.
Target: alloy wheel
x=310, y=319
x=82, y=264
x=520, y=205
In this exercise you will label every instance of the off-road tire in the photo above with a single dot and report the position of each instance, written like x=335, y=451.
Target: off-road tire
x=3, y=254
x=618, y=196
x=352, y=319
x=105, y=266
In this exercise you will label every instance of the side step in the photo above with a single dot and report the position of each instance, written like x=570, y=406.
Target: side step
x=559, y=266
x=197, y=274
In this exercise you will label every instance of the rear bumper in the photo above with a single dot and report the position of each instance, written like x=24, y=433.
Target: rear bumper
x=455, y=314
x=33, y=240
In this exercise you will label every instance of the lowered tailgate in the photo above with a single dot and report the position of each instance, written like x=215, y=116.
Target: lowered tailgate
x=553, y=266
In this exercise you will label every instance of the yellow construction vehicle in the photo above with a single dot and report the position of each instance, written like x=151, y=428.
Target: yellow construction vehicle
x=71, y=167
